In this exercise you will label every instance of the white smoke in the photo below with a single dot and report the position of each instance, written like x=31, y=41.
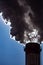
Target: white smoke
x=32, y=36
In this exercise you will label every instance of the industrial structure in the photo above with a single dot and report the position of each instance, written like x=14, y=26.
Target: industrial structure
x=32, y=53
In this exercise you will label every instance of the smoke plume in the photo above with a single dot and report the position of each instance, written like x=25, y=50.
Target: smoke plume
x=26, y=18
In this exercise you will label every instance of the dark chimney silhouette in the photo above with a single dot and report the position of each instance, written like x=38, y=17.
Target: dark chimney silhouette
x=32, y=53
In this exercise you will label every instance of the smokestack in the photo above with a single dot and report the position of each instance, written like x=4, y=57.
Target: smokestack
x=32, y=53
x=26, y=18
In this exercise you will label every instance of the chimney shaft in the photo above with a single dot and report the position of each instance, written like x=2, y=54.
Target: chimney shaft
x=32, y=52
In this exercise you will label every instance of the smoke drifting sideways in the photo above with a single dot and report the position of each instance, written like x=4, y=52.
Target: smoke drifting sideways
x=26, y=19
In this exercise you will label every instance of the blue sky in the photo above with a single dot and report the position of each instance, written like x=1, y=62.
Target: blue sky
x=11, y=53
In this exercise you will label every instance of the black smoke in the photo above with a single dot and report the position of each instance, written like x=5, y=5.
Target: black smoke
x=15, y=10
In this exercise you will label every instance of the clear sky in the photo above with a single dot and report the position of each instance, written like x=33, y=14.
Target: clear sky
x=11, y=53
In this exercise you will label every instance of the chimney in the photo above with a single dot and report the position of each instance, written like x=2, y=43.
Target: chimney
x=32, y=53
